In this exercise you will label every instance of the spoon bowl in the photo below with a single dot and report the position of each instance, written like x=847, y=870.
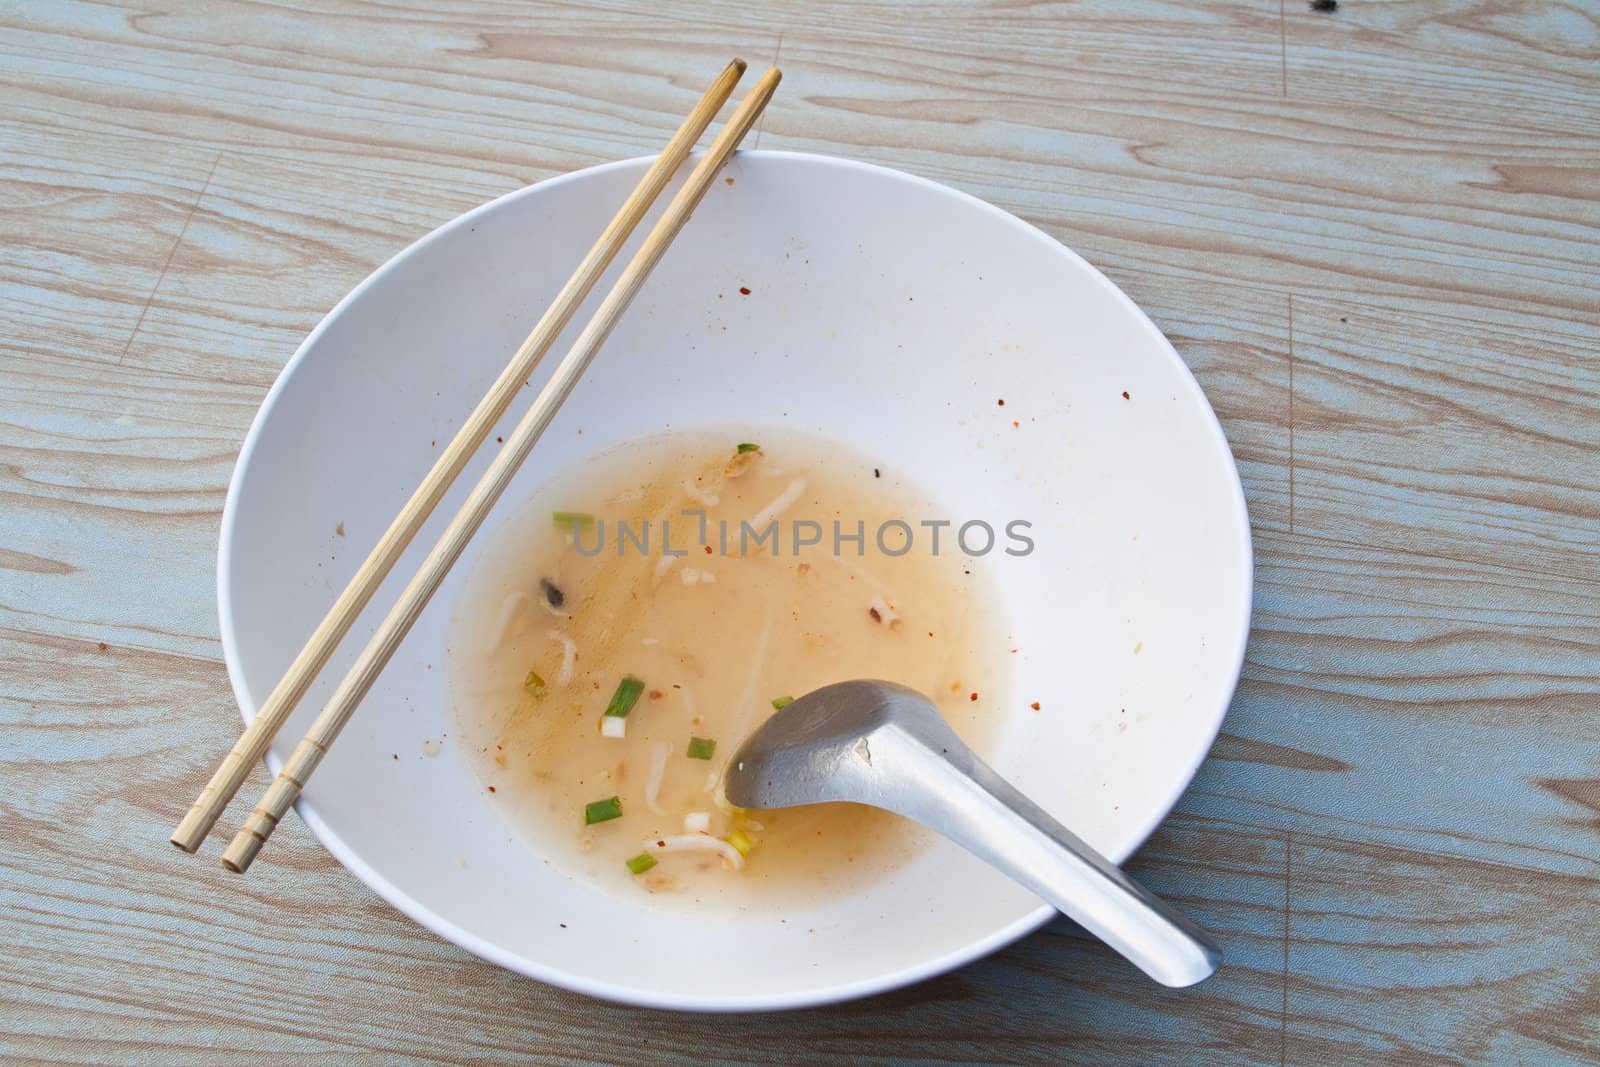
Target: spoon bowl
x=883, y=744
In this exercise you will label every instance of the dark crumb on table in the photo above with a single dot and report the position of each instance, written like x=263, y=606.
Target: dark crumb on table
x=744, y=290
x=397, y=755
x=1015, y=425
x=564, y=925
x=491, y=789
x=876, y=473
x=1125, y=395
x=1001, y=402
x=1324, y=5
x=102, y=646
x=501, y=440
x=730, y=182
x=1343, y=319
x=339, y=529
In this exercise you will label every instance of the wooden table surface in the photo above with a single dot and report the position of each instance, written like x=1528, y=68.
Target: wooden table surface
x=1371, y=232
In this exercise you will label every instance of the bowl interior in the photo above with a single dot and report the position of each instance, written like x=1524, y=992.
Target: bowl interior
x=884, y=311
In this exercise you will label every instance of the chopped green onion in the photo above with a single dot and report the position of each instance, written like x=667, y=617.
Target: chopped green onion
x=701, y=747
x=746, y=446
x=571, y=518
x=534, y=684
x=626, y=696
x=602, y=811
x=641, y=863
x=779, y=703
x=741, y=841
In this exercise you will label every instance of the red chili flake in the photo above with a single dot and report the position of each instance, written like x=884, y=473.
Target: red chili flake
x=1015, y=424
x=1034, y=705
x=874, y=613
x=491, y=789
x=974, y=696
x=102, y=646
x=1125, y=395
x=1001, y=402
x=675, y=685
x=661, y=844
x=502, y=440
x=730, y=182
x=744, y=290
x=656, y=694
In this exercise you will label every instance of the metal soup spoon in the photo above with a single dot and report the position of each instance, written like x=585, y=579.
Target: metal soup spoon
x=885, y=745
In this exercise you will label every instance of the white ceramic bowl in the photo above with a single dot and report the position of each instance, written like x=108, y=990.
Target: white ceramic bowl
x=885, y=311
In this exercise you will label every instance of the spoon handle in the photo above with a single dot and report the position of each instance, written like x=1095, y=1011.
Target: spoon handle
x=949, y=789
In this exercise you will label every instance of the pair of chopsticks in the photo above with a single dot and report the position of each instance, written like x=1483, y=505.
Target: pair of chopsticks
x=253, y=743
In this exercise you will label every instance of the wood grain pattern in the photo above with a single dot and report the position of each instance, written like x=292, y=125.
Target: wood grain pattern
x=1430, y=702
x=1372, y=235
x=1510, y=983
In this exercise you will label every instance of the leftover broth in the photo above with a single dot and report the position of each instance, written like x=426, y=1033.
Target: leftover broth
x=603, y=674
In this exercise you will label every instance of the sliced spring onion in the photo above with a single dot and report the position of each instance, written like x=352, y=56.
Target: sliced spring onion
x=570, y=519
x=641, y=863
x=746, y=446
x=534, y=683
x=701, y=748
x=626, y=696
x=779, y=703
x=602, y=811
x=741, y=841
x=613, y=726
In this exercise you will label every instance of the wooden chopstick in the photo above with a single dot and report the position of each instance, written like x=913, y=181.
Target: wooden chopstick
x=519, y=443
x=253, y=743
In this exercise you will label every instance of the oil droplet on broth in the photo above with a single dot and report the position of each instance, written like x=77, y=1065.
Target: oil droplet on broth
x=543, y=634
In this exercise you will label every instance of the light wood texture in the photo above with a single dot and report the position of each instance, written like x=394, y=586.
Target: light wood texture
x=1397, y=838
x=324, y=730
x=274, y=711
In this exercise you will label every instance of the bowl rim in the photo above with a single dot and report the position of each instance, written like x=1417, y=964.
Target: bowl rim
x=621, y=992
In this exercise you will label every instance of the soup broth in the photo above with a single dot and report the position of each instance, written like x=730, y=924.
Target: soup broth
x=626, y=585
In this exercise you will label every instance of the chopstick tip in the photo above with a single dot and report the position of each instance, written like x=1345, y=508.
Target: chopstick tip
x=739, y=65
